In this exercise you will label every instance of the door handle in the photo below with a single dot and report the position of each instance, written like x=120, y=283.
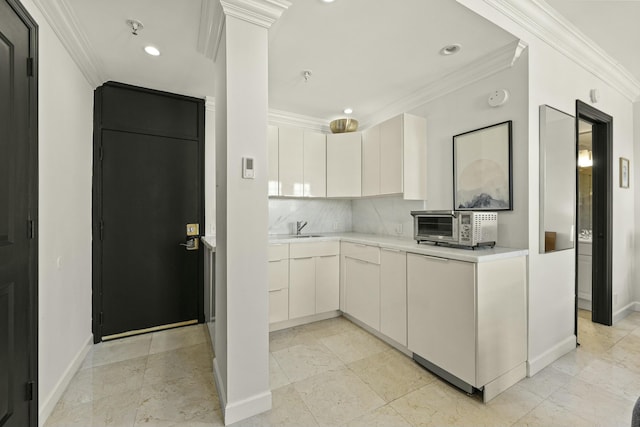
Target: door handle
x=192, y=244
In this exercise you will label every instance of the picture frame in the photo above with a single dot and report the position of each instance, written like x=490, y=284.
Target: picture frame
x=624, y=172
x=482, y=169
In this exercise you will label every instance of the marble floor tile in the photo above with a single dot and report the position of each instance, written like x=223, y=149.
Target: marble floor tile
x=391, y=374
x=175, y=402
x=183, y=362
x=384, y=416
x=287, y=338
x=304, y=361
x=113, y=411
x=629, y=323
x=277, y=377
x=288, y=411
x=117, y=350
x=172, y=339
x=549, y=414
x=593, y=403
x=613, y=377
x=105, y=380
x=626, y=353
x=354, y=345
x=574, y=362
x=337, y=397
x=597, y=339
x=546, y=382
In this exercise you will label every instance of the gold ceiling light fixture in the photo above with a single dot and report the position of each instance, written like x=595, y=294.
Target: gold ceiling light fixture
x=135, y=26
x=343, y=125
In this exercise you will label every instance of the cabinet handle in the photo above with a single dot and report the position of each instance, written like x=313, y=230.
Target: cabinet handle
x=327, y=256
x=306, y=257
x=277, y=290
x=398, y=251
x=436, y=258
x=361, y=261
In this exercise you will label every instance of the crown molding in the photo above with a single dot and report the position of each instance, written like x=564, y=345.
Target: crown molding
x=496, y=61
x=540, y=19
x=285, y=118
x=66, y=26
x=260, y=12
x=209, y=31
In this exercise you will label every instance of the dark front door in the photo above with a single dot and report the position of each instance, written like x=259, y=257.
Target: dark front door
x=18, y=149
x=149, y=189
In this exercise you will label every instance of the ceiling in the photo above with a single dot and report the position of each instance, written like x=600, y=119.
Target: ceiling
x=362, y=54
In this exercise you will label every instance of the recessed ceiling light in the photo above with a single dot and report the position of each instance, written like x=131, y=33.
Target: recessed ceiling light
x=348, y=110
x=152, y=50
x=450, y=49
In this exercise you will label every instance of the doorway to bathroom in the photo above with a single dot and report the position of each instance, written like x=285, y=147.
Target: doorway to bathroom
x=594, y=200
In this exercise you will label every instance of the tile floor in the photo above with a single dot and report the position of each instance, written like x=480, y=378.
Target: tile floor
x=332, y=373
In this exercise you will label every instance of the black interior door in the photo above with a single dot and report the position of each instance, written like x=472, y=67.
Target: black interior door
x=18, y=350
x=150, y=188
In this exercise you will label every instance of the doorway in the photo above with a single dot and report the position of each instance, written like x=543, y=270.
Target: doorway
x=18, y=217
x=601, y=134
x=148, y=208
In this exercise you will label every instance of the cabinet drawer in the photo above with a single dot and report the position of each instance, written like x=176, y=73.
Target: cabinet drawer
x=311, y=249
x=278, y=251
x=362, y=252
x=278, y=305
x=278, y=274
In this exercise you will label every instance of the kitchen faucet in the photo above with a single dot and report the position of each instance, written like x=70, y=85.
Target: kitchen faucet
x=299, y=226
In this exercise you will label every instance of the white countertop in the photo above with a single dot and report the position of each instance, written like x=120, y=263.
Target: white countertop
x=483, y=254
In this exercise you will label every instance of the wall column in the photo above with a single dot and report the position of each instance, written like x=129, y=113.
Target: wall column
x=241, y=345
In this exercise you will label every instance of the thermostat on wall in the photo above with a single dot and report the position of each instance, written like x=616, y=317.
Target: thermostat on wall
x=248, y=171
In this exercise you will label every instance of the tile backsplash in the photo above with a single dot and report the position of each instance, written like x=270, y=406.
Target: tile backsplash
x=389, y=216
x=322, y=215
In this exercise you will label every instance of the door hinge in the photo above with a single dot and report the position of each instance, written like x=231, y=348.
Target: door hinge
x=101, y=230
x=29, y=395
x=31, y=229
x=29, y=67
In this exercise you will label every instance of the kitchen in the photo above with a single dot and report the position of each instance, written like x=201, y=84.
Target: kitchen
x=525, y=82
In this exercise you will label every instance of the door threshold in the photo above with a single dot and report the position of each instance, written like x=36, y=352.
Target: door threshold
x=147, y=330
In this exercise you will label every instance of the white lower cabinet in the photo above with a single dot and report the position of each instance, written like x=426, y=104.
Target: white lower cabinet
x=278, y=271
x=469, y=319
x=314, y=278
x=393, y=294
x=362, y=282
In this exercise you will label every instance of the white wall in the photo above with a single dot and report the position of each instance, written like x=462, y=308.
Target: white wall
x=635, y=181
x=209, y=168
x=467, y=109
x=558, y=81
x=64, y=276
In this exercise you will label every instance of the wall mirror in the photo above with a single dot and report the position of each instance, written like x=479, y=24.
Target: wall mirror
x=557, y=180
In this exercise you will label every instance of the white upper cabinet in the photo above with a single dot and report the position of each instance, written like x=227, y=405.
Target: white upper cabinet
x=344, y=165
x=290, y=161
x=371, y=161
x=394, y=158
x=272, y=141
x=314, y=166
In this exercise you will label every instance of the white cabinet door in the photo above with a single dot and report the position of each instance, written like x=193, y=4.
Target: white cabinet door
x=278, y=274
x=272, y=140
x=441, y=313
x=278, y=305
x=362, y=281
x=302, y=287
x=415, y=157
x=290, y=161
x=344, y=165
x=327, y=283
x=393, y=294
x=315, y=165
x=391, y=158
x=371, y=161
x=584, y=277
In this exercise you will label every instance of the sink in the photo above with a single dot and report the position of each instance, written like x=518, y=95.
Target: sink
x=302, y=236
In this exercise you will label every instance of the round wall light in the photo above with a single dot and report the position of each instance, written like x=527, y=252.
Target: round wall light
x=450, y=49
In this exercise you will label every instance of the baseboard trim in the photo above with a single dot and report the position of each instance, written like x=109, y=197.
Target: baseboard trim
x=285, y=324
x=585, y=304
x=537, y=364
x=220, y=386
x=49, y=402
x=246, y=408
x=625, y=311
